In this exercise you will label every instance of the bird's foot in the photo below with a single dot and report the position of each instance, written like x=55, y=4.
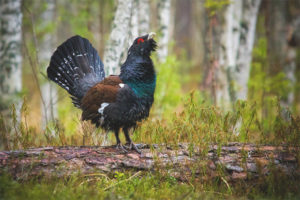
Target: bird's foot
x=132, y=146
x=121, y=148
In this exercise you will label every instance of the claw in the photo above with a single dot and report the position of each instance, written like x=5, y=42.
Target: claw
x=132, y=146
x=121, y=147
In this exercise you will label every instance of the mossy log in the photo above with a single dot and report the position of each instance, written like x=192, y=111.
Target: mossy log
x=231, y=161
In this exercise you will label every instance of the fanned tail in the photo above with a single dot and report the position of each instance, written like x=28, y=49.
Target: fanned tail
x=76, y=67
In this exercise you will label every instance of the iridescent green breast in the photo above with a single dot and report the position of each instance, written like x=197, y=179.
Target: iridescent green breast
x=143, y=89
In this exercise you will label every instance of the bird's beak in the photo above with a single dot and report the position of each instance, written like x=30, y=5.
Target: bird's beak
x=151, y=35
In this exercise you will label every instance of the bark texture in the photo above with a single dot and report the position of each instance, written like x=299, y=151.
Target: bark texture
x=10, y=52
x=46, y=48
x=140, y=20
x=116, y=46
x=164, y=20
x=282, y=23
x=233, y=161
x=237, y=41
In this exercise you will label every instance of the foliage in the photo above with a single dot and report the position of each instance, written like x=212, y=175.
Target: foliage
x=214, y=6
x=168, y=92
x=146, y=185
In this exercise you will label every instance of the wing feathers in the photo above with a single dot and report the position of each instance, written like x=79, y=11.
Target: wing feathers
x=103, y=92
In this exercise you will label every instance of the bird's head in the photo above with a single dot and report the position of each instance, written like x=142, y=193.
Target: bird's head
x=143, y=45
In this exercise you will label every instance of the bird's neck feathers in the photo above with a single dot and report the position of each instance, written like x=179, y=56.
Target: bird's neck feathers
x=139, y=74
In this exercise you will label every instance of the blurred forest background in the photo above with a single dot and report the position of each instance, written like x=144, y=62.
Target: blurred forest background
x=227, y=69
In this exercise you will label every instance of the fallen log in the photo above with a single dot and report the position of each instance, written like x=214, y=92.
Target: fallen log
x=232, y=161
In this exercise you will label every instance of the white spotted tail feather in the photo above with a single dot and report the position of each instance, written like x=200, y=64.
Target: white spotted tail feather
x=76, y=67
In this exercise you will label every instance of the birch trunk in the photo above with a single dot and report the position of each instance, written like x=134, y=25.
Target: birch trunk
x=235, y=57
x=244, y=55
x=228, y=53
x=117, y=44
x=46, y=48
x=164, y=20
x=139, y=22
x=143, y=17
x=10, y=54
x=140, y=19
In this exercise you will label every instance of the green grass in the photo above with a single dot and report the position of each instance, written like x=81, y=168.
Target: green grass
x=146, y=185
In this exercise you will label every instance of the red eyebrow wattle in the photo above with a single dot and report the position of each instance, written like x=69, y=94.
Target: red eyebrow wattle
x=140, y=40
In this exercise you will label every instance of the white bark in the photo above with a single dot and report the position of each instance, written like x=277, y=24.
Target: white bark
x=117, y=47
x=228, y=52
x=10, y=51
x=244, y=56
x=143, y=17
x=46, y=48
x=237, y=41
x=164, y=19
x=140, y=20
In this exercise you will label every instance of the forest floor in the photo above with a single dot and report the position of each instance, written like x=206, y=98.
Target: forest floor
x=233, y=171
x=196, y=124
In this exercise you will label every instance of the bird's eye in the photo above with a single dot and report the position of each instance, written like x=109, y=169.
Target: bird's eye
x=140, y=40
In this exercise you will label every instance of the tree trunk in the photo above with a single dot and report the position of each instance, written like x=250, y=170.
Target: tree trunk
x=46, y=47
x=293, y=72
x=140, y=19
x=281, y=23
x=164, y=20
x=244, y=55
x=236, y=51
x=143, y=17
x=10, y=54
x=233, y=161
x=117, y=47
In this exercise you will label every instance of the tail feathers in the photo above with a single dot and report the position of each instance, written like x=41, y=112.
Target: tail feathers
x=76, y=67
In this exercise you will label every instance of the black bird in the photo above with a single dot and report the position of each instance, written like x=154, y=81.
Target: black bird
x=114, y=102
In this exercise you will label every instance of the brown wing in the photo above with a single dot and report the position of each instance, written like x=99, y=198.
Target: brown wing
x=105, y=91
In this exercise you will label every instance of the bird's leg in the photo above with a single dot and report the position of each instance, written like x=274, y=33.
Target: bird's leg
x=119, y=146
x=129, y=142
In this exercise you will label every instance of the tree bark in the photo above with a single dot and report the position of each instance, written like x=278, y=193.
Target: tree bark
x=164, y=20
x=232, y=161
x=10, y=53
x=281, y=26
x=139, y=20
x=235, y=56
x=46, y=47
x=117, y=47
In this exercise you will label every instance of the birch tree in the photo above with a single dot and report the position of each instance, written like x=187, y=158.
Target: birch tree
x=46, y=48
x=237, y=41
x=164, y=20
x=140, y=19
x=116, y=46
x=10, y=53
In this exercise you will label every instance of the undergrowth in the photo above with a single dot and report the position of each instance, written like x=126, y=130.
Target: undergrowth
x=197, y=123
x=176, y=117
x=145, y=185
